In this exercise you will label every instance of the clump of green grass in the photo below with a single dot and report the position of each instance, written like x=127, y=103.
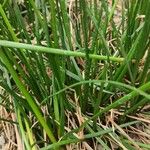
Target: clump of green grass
x=69, y=64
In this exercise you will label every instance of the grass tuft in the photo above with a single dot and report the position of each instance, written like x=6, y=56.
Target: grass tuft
x=74, y=74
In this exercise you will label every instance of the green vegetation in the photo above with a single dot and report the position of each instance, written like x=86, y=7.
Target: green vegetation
x=76, y=73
